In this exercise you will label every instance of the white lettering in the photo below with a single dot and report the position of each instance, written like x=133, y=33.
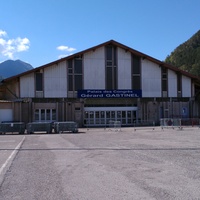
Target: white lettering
x=91, y=95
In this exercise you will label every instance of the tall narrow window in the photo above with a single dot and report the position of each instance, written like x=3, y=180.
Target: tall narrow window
x=179, y=85
x=164, y=82
x=111, y=67
x=136, y=73
x=75, y=74
x=39, y=81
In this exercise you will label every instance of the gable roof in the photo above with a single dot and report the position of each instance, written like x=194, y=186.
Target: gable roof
x=110, y=42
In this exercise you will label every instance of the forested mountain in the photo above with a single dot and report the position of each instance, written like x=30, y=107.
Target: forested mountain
x=10, y=68
x=187, y=55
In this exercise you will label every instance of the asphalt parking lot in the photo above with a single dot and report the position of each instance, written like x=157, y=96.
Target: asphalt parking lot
x=124, y=163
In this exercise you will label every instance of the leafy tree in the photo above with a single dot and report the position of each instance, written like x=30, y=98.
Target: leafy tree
x=187, y=55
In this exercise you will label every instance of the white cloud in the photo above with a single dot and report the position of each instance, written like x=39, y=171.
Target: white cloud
x=64, y=55
x=11, y=46
x=65, y=48
x=2, y=33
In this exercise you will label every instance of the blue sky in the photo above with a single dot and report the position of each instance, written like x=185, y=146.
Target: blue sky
x=42, y=31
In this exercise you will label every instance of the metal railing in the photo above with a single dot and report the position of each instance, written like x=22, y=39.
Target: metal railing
x=179, y=122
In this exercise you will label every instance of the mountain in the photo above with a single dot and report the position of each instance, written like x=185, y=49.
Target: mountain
x=10, y=68
x=187, y=55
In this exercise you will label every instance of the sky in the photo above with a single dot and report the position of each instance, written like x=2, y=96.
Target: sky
x=42, y=31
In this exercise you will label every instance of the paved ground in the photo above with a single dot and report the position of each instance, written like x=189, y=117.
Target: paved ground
x=101, y=164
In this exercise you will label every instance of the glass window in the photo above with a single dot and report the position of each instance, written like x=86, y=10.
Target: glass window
x=37, y=115
x=107, y=114
x=109, y=63
x=39, y=81
x=91, y=114
x=119, y=114
x=111, y=67
x=164, y=85
x=42, y=114
x=70, y=63
x=135, y=64
x=102, y=114
x=113, y=114
x=97, y=114
x=86, y=115
x=75, y=77
x=91, y=121
x=109, y=52
x=78, y=82
x=136, y=74
x=136, y=83
x=70, y=82
x=179, y=82
x=109, y=78
x=78, y=66
x=45, y=114
x=114, y=78
x=115, y=56
x=48, y=114
x=53, y=114
x=97, y=118
x=124, y=114
x=164, y=79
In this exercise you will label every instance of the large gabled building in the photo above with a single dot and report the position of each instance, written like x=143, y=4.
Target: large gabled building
x=109, y=81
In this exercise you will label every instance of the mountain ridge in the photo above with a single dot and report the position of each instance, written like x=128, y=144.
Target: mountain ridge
x=10, y=68
x=187, y=55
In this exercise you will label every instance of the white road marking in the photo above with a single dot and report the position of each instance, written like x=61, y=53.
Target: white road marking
x=11, y=156
x=7, y=141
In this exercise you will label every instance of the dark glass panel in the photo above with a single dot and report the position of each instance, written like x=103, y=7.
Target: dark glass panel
x=78, y=82
x=39, y=81
x=70, y=83
x=109, y=53
x=135, y=64
x=136, y=84
x=78, y=66
x=109, y=78
x=164, y=85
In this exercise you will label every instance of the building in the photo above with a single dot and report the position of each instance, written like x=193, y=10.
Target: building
x=109, y=81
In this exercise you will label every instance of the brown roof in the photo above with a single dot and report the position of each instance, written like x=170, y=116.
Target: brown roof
x=113, y=42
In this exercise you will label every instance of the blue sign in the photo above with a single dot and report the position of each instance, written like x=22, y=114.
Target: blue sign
x=109, y=93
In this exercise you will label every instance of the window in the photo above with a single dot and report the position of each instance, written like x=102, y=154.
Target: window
x=39, y=81
x=45, y=115
x=136, y=73
x=164, y=83
x=179, y=85
x=75, y=74
x=111, y=67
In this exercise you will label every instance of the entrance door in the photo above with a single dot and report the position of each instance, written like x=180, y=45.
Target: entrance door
x=101, y=116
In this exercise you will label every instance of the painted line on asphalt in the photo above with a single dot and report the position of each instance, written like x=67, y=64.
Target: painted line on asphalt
x=11, y=156
x=7, y=141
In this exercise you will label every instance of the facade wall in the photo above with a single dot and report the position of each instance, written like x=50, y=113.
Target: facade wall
x=186, y=87
x=151, y=79
x=94, y=69
x=124, y=69
x=6, y=111
x=55, y=81
x=172, y=84
x=53, y=97
x=11, y=90
x=27, y=86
